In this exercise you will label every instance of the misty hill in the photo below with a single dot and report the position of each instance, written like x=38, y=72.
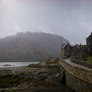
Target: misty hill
x=30, y=46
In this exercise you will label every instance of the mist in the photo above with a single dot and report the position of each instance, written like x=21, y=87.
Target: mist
x=71, y=19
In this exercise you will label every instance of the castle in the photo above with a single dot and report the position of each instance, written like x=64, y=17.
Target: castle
x=78, y=51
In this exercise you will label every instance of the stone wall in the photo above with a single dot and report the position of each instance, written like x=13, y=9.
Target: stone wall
x=77, y=76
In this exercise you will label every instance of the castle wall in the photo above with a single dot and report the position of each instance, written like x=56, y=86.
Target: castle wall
x=79, y=52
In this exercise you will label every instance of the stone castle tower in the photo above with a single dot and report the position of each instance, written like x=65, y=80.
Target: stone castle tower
x=66, y=50
x=89, y=44
x=89, y=40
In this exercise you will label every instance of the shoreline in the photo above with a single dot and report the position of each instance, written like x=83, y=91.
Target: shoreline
x=33, y=77
x=16, y=64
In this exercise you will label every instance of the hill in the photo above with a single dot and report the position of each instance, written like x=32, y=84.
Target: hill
x=30, y=46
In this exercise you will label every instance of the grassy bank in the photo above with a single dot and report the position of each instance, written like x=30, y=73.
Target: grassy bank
x=90, y=59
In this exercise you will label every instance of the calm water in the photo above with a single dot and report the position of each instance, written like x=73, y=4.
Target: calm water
x=15, y=64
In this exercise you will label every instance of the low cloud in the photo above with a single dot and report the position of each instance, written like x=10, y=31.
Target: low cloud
x=69, y=18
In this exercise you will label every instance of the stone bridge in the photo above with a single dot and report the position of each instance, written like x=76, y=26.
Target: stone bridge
x=77, y=76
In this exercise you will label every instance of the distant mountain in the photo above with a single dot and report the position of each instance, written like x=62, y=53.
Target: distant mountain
x=30, y=46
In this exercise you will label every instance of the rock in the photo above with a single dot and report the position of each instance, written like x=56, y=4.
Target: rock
x=57, y=75
x=41, y=73
x=7, y=65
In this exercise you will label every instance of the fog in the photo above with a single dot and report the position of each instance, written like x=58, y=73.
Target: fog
x=71, y=19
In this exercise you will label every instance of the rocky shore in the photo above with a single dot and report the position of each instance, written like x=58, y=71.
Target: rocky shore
x=34, y=78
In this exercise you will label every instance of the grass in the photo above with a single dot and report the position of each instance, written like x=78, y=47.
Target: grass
x=90, y=59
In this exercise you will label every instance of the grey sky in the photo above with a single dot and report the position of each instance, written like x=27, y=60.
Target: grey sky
x=71, y=19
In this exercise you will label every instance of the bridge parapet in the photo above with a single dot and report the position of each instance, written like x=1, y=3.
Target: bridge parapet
x=77, y=76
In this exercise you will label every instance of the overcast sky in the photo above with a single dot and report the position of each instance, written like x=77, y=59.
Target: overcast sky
x=71, y=19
